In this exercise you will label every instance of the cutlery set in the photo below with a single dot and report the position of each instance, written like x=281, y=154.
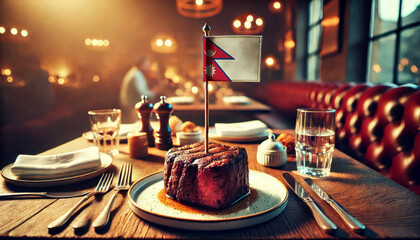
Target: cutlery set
x=123, y=183
x=323, y=221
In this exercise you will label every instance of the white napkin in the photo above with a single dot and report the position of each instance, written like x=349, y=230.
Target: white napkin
x=54, y=166
x=127, y=128
x=240, y=129
x=236, y=100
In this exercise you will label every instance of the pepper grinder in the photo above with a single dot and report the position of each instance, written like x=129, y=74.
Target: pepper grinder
x=144, y=111
x=163, y=111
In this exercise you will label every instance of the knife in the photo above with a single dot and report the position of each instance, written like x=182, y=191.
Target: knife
x=353, y=223
x=43, y=194
x=323, y=221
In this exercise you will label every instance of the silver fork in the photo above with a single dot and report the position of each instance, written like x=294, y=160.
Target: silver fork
x=102, y=187
x=123, y=183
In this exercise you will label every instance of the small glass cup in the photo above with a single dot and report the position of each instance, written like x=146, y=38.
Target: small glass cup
x=314, y=141
x=105, y=126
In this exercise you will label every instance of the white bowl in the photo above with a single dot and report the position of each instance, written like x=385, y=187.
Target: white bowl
x=185, y=138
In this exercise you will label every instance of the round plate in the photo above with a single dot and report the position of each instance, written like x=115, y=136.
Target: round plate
x=180, y=100
x=106, y=161
x=267, y=199
x=262, y=136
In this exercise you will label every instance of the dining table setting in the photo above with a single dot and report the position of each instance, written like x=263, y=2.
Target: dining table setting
x=109, y=184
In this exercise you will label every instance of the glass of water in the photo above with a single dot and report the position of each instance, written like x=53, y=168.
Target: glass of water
x=105, y=126
x=314, y=141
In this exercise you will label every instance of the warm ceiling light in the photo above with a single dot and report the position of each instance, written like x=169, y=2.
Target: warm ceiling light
x=404, y=61
x=95, y=78
x=7, y=72
x=194, y=90
x=269, y=61
x=51, y=79
x=100, y=42
x=414, y=69
x=88, y=41
x=176, y=79
x=9, y=79
x=24, y=33
x=106, y=43
x=289, y=44
x=376, y=68
x=199, y=2
x=199, y=8
x=247, y=25
x=275, y=6
x=2, y=30
x=188, y=85
x=95, y=42
x=13, y=31
x=61, y=81
x=163, y=44
x=250, y=18
x=168, y=42
x=330, y=22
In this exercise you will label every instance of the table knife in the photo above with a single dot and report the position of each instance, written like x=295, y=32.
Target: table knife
x=43, y=194
x=323, y=221
x=354, y=224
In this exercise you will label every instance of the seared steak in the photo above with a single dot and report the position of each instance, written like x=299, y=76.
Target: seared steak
x=215, y=179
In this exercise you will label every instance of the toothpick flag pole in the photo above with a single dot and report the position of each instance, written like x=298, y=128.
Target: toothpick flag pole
x=206, y=30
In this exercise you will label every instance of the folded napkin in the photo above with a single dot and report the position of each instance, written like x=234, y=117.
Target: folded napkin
x=55, y=166
x=236, y=100
x=241, y=129
x=126, y=128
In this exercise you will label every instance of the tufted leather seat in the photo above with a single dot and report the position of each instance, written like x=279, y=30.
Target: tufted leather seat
x=378, y=125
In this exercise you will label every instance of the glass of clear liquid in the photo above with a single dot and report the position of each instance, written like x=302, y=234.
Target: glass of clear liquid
x=105, y=126
x=314, y=141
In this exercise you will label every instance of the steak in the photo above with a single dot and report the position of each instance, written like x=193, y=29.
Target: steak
x=216, y=179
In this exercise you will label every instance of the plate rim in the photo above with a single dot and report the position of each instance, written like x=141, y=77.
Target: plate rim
x=234, y=219
x=237, y=138
x=57, y=181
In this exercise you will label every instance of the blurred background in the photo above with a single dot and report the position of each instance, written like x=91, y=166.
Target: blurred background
x=61, y=58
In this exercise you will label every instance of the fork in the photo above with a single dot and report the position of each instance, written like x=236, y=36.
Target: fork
x=102, y=187
x=123, y=183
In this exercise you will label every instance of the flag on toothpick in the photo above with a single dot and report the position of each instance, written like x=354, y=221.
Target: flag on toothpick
x=232, y=58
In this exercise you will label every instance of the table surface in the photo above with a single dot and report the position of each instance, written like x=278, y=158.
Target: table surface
x=386, y=208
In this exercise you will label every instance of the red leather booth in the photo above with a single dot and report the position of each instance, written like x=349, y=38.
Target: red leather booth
x=378, y=125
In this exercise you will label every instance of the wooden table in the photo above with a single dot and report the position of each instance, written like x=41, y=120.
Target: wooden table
x=387, y=209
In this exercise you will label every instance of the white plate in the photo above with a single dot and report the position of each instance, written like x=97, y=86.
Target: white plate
x=106, y=161
x=267, y=199
x=240, y=100
x=255, y=138
x=180, y=100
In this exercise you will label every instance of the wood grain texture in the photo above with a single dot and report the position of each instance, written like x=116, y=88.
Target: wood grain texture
x=387, y=209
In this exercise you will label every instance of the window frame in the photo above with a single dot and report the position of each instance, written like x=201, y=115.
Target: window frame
x=397, y=31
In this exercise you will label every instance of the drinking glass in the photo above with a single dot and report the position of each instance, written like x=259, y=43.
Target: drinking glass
x=314, y=142
x=105, y=126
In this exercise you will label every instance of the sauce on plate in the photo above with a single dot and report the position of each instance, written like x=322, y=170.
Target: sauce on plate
x=239, y=205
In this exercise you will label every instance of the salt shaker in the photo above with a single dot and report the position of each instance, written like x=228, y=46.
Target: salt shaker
x=271, y=153
x=163, y=111
x=144, y=111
